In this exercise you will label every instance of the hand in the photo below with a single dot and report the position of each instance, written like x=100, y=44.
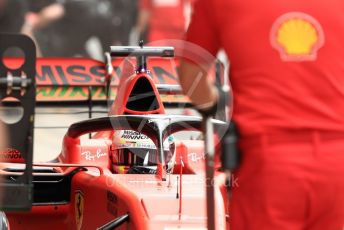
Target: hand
x=32, y=19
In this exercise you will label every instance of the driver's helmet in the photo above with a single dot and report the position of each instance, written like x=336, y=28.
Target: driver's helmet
x=135, y=153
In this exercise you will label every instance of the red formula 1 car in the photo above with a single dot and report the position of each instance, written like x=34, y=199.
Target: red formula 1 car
x=140, y=169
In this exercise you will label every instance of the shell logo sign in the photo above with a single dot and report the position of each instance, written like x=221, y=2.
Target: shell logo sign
x=297, y=37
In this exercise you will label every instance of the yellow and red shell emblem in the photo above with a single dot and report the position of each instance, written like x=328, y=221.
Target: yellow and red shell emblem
x=297, y=36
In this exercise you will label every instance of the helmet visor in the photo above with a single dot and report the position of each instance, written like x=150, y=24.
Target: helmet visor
x=135, y=157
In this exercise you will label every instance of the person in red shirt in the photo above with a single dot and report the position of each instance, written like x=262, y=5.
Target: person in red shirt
x=287, y=78
x=165, y=19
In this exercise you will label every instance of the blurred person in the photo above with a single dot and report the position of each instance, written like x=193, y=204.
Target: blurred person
x=41, y=15
x=286, y=75
x=118, y=17
x=11, y=15
x=63, y=27
x=163, y=19
x=57, y=26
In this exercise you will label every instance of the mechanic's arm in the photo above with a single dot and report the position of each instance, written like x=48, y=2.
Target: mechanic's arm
x=195, y=84
x=45, y=17
x=193, y=71
x=142, y=20
x=36, y=21
x=144, y=15
x=50, y=14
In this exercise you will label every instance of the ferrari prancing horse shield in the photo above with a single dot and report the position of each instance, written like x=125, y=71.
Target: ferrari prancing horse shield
x=79, y=208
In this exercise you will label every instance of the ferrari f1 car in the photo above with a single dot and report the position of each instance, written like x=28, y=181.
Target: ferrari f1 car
x=137, y=171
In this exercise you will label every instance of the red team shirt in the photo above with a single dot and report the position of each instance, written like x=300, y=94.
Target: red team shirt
x=287, y=74
x=284, y=58
x=167, y=19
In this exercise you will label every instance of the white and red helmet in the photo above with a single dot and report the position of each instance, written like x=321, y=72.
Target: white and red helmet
x=136, y=153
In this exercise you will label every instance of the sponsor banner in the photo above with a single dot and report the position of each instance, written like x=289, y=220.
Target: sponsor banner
x=73, y=93
x=89, y=72
x=79, y=93
x=71, y=79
